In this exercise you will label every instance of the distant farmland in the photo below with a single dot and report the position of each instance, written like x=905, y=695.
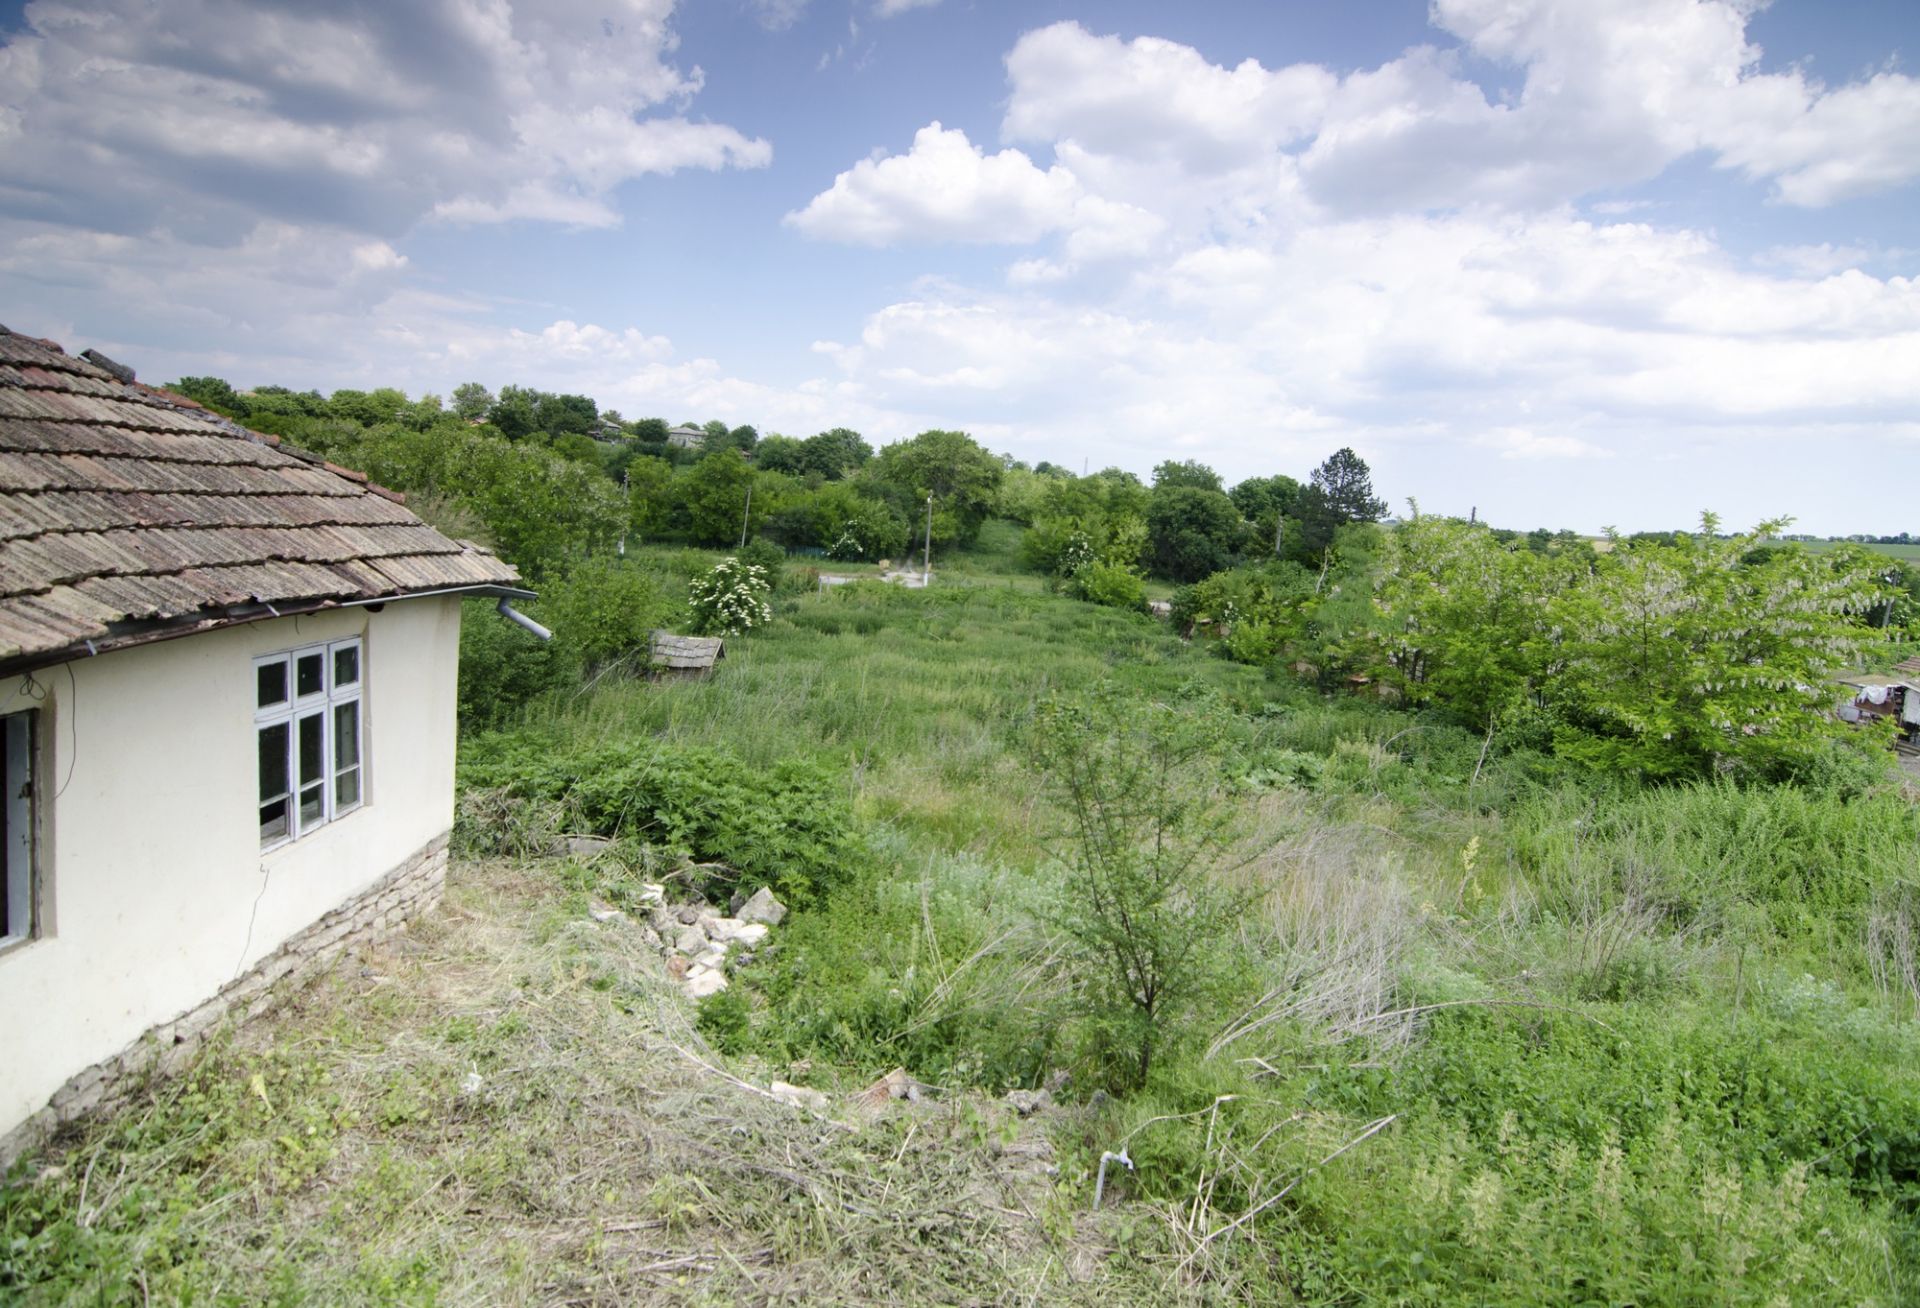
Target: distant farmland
x=1911, y=553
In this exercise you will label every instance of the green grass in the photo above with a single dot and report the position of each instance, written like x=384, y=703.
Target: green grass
x=1911, y=553
x=1486, y=1032
x=916, y=696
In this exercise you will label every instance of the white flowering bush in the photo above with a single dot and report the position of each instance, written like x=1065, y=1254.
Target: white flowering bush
x=856, y=542
x=731, y=599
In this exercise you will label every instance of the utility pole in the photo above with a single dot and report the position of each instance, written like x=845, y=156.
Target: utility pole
x=744, y=515
x=1279, y=526
x=926, y=560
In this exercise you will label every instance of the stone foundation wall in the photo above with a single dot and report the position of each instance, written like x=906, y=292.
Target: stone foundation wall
x=382, y=908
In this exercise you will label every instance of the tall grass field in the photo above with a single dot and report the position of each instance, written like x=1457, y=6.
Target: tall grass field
x=1471, y=1028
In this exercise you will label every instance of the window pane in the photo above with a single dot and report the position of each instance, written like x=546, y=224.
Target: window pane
x=313, y=806
x=346, y=790
x=312, y=748
x=308, y=674
x=271, y=684
x=346, y=735
x=273, y=821
x=273, y=762
x=346, y=666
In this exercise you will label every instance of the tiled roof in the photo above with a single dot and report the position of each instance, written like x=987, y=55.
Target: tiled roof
x=683, y=652
x=129, y=514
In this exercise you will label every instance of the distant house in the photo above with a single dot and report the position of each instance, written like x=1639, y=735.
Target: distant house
x=687, y=438
x=1876, y=696
x=227, y=694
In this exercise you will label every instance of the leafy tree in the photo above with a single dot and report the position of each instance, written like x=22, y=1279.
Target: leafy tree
x=422, y=413
x=1187, y=472
x=1683, y=658
x=1192, y=532
x=780, y=454
x=1463, y=616
x=368, y=408
x=744, y=438
x=1265, y=502
x=713, y=497
x=579, y=447
x=833, y=454
x=563, y=415
x=471, y=401
x=513, y=413
x=951, y=466
x=650, y=431
x=650, y=497
x=213, y=392
x=283, y=401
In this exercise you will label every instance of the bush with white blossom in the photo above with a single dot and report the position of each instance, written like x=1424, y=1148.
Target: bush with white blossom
x=731, y=599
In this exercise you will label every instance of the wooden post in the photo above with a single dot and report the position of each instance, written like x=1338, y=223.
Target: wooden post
x=926, y=560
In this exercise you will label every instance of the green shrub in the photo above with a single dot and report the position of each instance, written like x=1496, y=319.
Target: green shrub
x=503, y=668
x=602, y=610
x=1114, y=585
x=730, y=600
x=788, y=826
x=1145, y=823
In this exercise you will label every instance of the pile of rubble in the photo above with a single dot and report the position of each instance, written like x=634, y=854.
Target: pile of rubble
x=697, y=941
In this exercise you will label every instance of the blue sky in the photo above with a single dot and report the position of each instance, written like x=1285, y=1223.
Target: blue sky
x=1569, y=264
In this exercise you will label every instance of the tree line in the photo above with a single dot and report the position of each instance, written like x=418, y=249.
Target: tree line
x=551, y=478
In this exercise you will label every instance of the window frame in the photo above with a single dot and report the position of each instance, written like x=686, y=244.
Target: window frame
x=20, y=857
x=321, y=711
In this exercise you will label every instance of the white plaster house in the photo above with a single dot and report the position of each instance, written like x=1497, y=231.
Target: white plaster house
x=227, y=697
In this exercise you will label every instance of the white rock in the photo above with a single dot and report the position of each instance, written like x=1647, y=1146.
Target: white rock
x=652, y=894
x=750, y=934
x=691, y=940
x=799, y=1096
x=722, y=928
x=470, y=1084
x=704, y=981
x=714, y=955
x=763, y=907
x=1028, y=1102
x=605, y=914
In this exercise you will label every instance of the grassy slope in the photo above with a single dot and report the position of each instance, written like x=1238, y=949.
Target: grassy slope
x=509, y=1106
x=1641, y=1062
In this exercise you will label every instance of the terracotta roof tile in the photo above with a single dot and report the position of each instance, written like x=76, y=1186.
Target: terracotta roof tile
x=128, y=513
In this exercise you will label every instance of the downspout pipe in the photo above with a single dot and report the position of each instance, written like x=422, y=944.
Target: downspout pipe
x=506, y=610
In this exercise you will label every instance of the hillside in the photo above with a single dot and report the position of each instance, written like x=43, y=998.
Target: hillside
x=1451, y=1025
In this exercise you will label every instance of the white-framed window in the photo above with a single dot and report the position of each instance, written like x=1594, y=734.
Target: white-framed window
x=307, y=719
x=18, y=801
